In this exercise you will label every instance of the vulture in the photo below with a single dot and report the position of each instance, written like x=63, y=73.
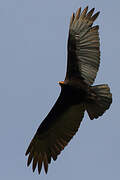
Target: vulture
x=77, y=93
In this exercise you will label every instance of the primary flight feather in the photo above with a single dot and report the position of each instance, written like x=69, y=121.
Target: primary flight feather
x=77, y=94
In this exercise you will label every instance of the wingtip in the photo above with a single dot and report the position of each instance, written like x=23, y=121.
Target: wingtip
x=35, y=161
x=98, y=13
x=77, y=13
x=94, y=17
x=29, y=159
x=26, y=153
x=72, y=19
x=90, y=13
x=85, y=10
x=39, y=163
x=29, y=149
x=46, y=170
x=83, y=14
x=45, y=163
x=86, y=7
x=33, y=168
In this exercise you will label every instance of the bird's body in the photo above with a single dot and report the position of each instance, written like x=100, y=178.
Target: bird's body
x=77, y=93
x=64, y=102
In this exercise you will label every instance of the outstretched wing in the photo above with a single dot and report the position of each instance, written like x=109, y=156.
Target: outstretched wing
x=83, y=47
x=54, y=133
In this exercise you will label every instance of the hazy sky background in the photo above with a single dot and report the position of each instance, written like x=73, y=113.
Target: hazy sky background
x=33, y=39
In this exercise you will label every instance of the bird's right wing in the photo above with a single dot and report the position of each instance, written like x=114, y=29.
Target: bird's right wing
x=83, y=47
x=54, y=133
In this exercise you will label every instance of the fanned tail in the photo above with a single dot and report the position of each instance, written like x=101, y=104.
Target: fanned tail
x=98, y=101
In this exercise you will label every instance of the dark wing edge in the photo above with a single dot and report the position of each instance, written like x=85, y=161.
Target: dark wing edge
x=83, y=47
x=52, y=141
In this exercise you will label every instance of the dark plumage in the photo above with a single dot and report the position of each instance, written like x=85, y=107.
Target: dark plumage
x=77, y=94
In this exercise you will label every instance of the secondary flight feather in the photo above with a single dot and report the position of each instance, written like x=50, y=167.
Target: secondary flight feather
x=77, y=94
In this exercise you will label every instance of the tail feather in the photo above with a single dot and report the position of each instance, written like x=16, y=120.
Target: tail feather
x=99, y=101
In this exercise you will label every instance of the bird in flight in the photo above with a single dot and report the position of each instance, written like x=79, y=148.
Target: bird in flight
x=76, y=96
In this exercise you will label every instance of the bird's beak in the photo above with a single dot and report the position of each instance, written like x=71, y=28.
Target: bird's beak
x=61, y=82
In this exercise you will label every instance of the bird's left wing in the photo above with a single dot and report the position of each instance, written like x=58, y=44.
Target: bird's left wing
x=54, y=133
x=83, y=47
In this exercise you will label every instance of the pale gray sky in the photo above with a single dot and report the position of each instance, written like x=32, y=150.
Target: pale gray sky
x=33, y=39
